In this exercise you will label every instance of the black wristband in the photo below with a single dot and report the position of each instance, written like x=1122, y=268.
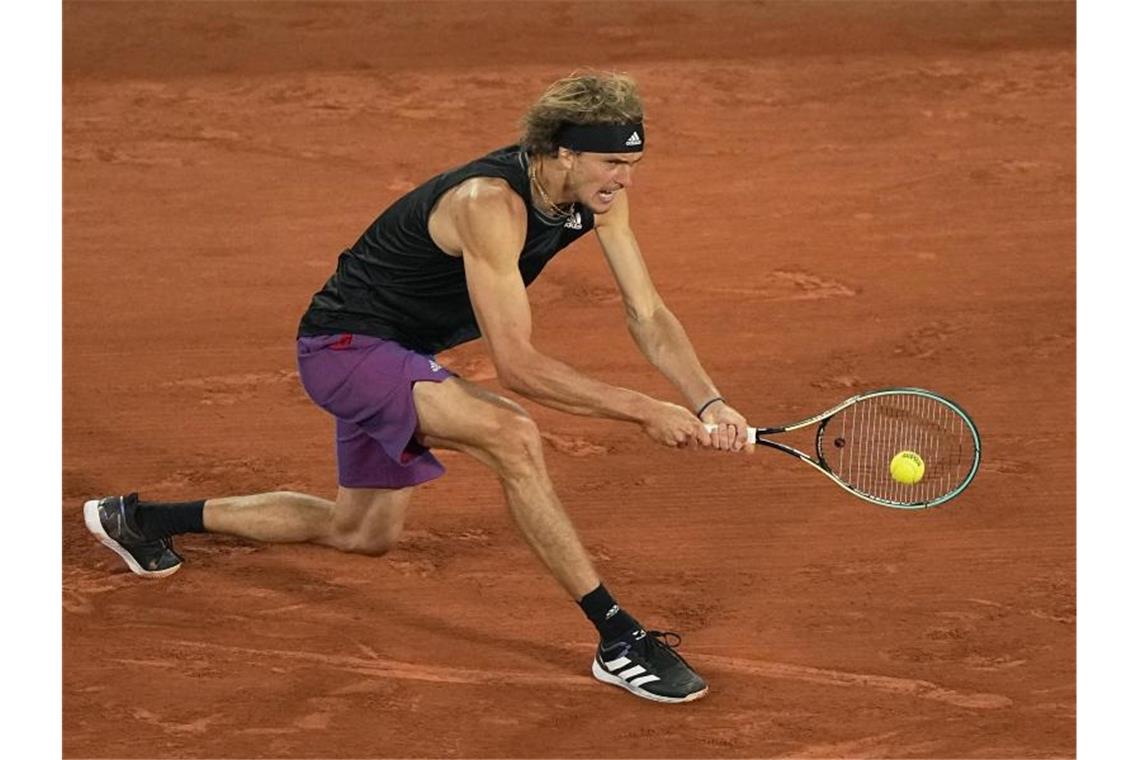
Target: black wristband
x=707, y=404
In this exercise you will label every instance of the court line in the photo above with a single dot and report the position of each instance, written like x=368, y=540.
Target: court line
x=388, y=668
x=404, y=670
x=891, y=684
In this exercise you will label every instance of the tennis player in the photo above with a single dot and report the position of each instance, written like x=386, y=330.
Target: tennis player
x=445, y=264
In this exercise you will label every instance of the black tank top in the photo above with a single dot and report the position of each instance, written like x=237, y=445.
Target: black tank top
x=396, y=283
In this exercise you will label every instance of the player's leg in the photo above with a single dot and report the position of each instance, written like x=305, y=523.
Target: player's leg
x=366, y=383
x=361, y=520
x=458, y=415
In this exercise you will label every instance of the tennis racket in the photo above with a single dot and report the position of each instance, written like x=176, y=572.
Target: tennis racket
x=856, y=441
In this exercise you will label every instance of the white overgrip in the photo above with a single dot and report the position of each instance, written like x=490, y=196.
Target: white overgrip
x=751, y=431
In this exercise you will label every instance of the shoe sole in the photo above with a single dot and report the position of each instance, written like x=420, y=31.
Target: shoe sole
x=95, y=525
x=601, y=674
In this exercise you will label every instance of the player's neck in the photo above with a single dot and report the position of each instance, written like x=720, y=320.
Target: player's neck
x=549, y=185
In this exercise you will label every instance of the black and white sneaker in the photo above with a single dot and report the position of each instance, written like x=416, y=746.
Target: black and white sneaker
x=112, y=520
x=646, y=664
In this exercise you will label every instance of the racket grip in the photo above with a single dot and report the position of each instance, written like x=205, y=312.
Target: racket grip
x=751, y=431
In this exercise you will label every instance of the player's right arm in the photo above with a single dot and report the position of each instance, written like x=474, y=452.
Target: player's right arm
x=489, y=221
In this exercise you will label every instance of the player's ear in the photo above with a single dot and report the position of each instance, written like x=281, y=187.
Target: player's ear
x=566, y=157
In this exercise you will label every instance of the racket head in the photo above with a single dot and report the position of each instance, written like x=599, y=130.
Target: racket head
x=856, y=441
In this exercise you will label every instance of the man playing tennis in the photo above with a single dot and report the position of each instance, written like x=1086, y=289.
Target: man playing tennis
x=446, y=263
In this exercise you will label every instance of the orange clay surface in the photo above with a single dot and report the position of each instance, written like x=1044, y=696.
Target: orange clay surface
x=836, y=197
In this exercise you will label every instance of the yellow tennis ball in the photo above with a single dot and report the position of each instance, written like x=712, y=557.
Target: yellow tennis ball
x=907, y=467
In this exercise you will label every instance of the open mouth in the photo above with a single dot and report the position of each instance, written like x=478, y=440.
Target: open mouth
x=607, y=196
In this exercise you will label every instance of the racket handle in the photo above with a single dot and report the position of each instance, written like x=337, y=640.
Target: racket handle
x=751, y=431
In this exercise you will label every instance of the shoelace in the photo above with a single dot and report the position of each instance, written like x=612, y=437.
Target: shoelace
x=668, y=640
x=663, y=638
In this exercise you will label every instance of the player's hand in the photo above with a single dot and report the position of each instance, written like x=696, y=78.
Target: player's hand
x=731, y=432
x=674, y=425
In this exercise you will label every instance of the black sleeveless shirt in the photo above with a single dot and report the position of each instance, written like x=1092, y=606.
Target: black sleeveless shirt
x=396, y=283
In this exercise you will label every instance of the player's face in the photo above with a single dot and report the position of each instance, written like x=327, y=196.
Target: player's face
x=597, y=178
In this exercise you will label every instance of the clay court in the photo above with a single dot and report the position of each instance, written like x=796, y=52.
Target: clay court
x=836, y=197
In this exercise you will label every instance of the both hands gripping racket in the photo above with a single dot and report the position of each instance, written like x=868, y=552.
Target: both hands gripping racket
x=856, y=442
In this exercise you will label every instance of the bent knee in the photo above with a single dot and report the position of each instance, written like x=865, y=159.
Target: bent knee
x=370, y=543
x=367, y=545
x=371, y=548
x=517, y=445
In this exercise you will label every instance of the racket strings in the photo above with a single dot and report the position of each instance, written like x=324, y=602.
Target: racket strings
x=868, y=434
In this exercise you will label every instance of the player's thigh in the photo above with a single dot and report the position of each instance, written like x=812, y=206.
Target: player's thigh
x=377, y=513
x=462, y=415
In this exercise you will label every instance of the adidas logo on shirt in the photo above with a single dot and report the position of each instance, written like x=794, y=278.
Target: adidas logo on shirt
x=634, y=139
x=574, y=222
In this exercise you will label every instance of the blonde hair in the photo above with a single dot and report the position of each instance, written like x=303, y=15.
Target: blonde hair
x=579, y=99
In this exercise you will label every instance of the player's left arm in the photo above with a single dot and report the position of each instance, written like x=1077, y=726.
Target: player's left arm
x=657, y=332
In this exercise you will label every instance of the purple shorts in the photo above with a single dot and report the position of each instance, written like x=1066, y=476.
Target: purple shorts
x=366, y=383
